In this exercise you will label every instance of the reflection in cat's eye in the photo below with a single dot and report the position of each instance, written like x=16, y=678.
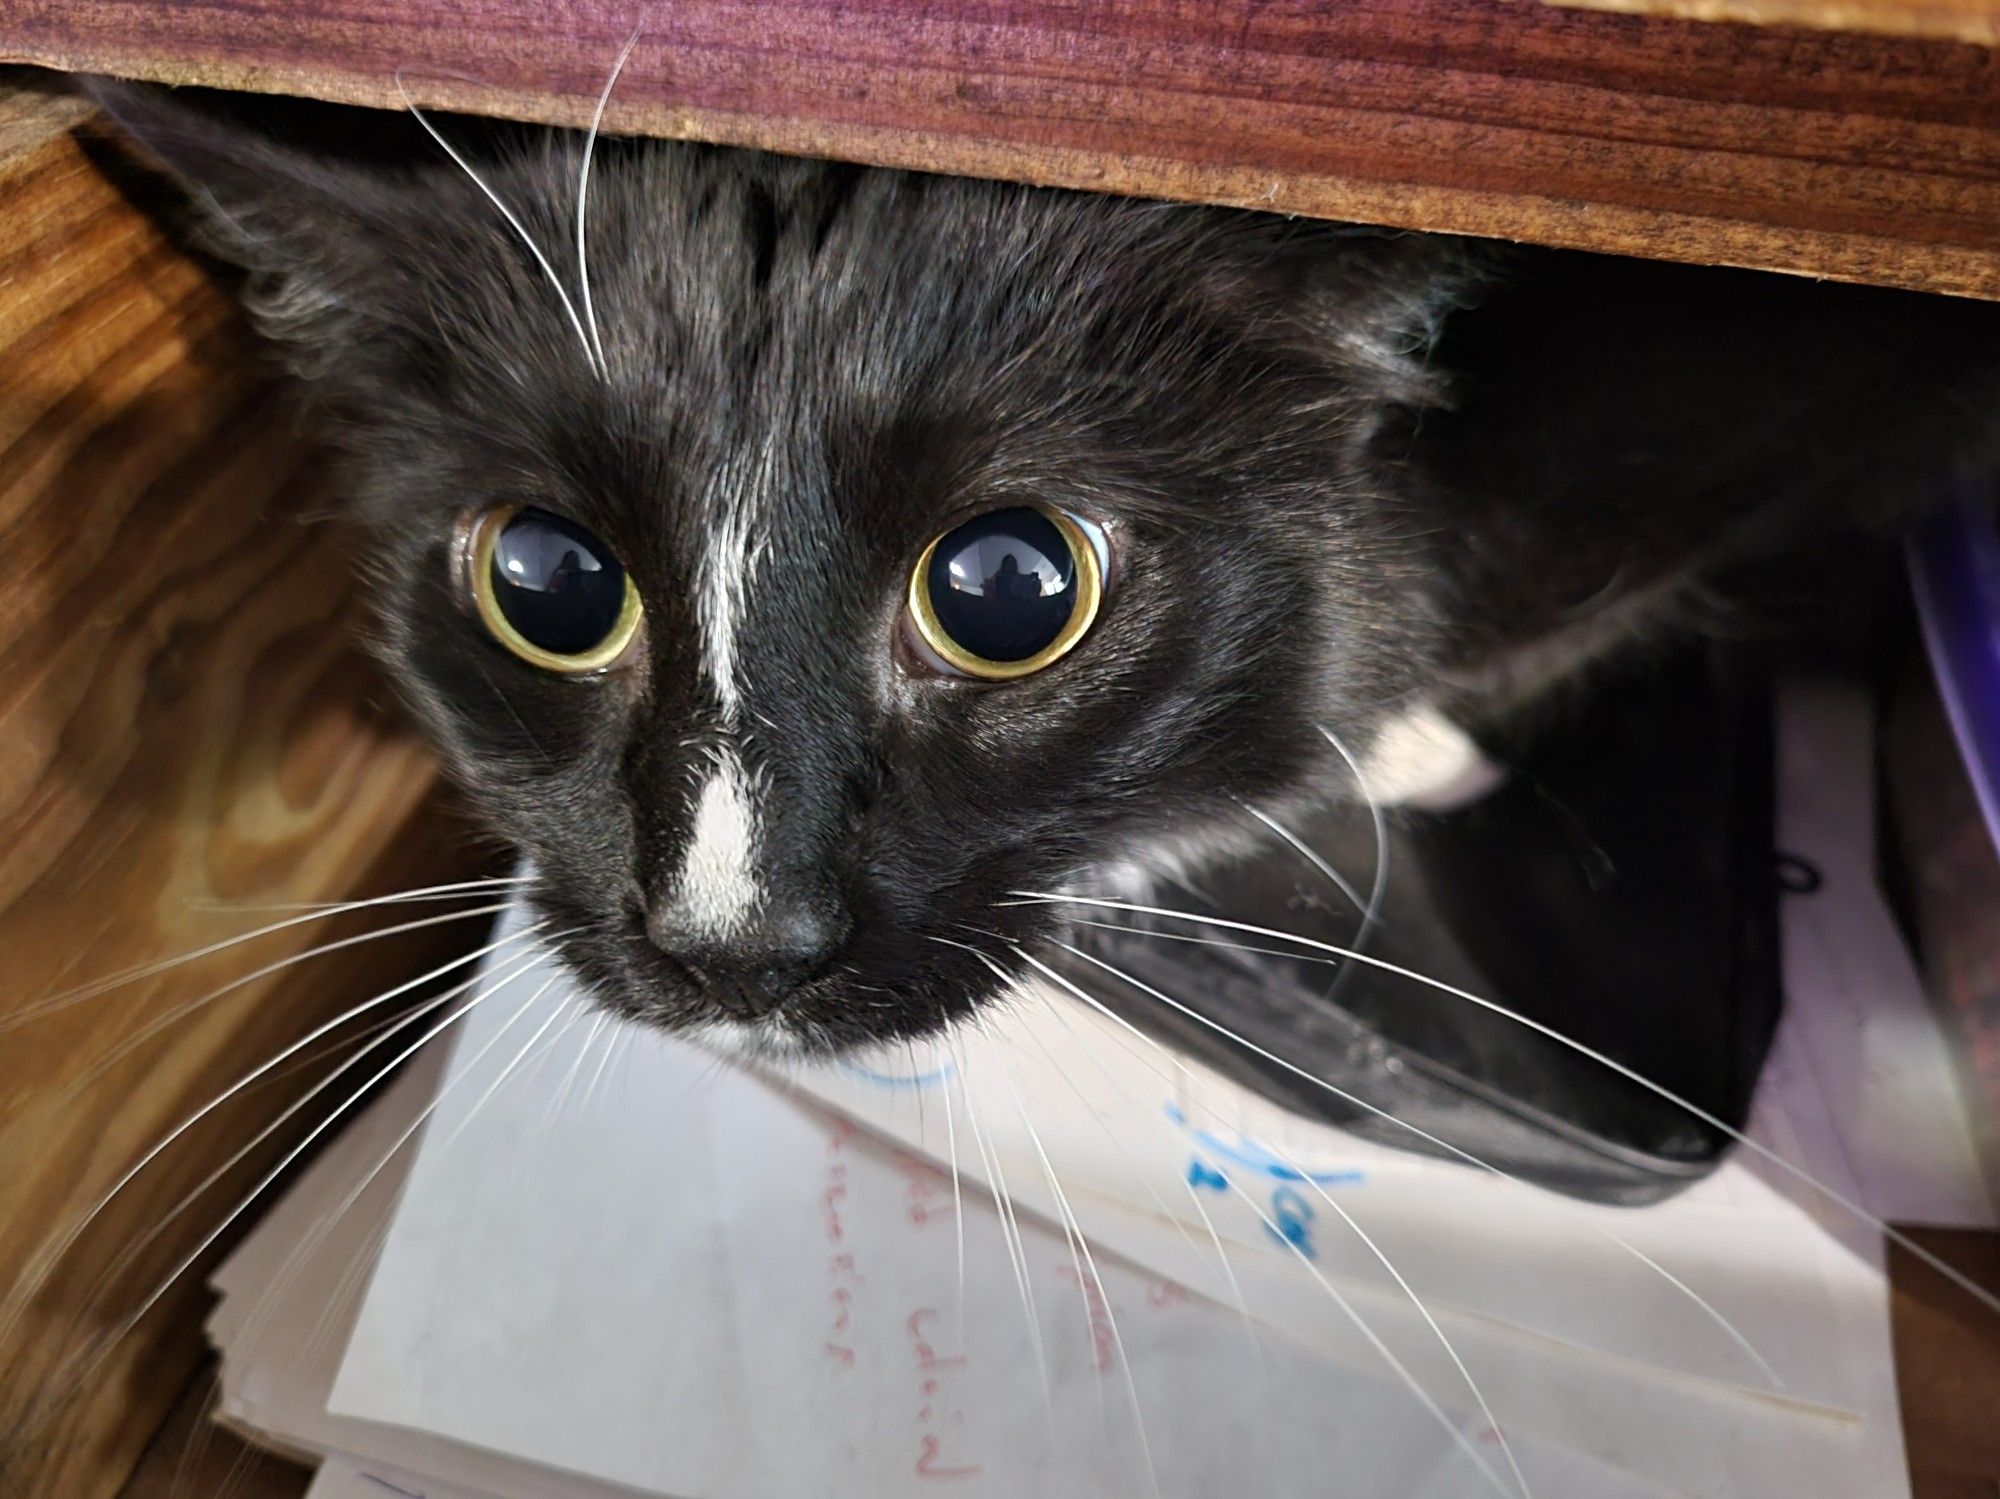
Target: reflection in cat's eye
x=1007, y=593
x=551, y=592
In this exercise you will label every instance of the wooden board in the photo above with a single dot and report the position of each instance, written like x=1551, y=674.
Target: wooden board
x=1865, y=158
x=1959, y=20
x=183, y=720
x=1948, y=1366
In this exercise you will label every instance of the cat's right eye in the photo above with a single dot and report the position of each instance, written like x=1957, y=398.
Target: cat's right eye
x=550, y=591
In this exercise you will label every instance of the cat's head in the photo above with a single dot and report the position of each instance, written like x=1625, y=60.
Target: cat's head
x=801, y=560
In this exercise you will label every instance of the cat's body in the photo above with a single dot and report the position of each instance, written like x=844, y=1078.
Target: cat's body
x=1376, y=485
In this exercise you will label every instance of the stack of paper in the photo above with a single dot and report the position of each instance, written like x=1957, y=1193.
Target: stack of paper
x=606, y=1265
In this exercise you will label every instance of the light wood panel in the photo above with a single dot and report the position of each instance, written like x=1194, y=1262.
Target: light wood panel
x=1865, y=158
x=1958, y=20
x=183, y=721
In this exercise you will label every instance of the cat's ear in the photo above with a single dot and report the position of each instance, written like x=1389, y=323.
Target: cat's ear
x=1381, y=301
x=295, y=194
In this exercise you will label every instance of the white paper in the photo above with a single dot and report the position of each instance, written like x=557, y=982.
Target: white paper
x=1217, y=1407
x=1880, y=1059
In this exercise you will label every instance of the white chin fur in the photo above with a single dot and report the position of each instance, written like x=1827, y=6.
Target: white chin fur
x=766, y=1040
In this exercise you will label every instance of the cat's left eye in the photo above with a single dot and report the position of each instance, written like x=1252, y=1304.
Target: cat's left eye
x=1007, y=593
x=550, y=591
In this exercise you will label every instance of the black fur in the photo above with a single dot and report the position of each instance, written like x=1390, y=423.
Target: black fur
x=1344, y=472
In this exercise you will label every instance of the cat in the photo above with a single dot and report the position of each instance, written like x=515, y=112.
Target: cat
x=794, y=560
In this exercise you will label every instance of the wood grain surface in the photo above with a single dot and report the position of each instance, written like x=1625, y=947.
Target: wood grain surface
x=183, y=721
x=1948, y=1366
x=1860, y=157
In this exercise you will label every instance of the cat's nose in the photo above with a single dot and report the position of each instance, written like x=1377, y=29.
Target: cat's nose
x=751, y=970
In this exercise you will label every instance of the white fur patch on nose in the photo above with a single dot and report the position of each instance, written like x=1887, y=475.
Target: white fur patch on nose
x=717, y=891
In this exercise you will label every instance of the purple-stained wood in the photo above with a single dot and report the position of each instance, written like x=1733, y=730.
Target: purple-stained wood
x=1860, y=157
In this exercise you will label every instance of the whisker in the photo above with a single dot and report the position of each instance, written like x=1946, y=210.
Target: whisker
x=545, y=1130
x=1076, y=1263
x=1798, y=1173
x=597, y=1024
x=555, y=281
x=951, y=1147
x=410, y=1130
x=1010, y=1233
x=160, y=1022
x=567, y=1009
x=619, y=1075
x=463, y=888
x=1368, y=915
x=613, y=1036
x=583, y=197
x=54, y=1002
x=1073, y=1231
x=425, y=1010
x=194, y=1255
x=574, y=1010
x=1221, y=942
x=1241, y=1301
x=1417, y=1132
x=360, y=1040
x=1312, y=856
x=1704, y=1305
x=527, y=733
x=1361, y=1323
x=53, y=1255
x=309, y=1243
x=1451, y=1352
x=1409, y=1380
x=1167, y=1214
x=1379, y=886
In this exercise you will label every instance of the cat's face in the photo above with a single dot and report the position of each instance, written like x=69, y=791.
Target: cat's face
x=658, y=612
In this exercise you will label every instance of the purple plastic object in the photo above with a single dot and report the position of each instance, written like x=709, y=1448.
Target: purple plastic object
x=1955, y=571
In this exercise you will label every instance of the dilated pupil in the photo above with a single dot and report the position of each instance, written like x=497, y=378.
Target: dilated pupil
x=1004, y=584
x=555, y=583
